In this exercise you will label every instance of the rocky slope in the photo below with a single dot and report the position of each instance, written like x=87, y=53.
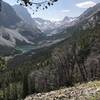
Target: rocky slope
x=8, y=17
x=87, y=91
x=23, y=13
x=89, y=12
x=14, y=31
x=15, y=27
x=10, y=37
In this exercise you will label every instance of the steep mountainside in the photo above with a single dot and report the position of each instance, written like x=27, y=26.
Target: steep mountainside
x=23, y=13
x=25, y=16
x=14, y=31
x=8, y=18
x=89, y=12
x=10, y=37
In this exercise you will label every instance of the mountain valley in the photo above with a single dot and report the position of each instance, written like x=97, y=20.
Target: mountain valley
x=38, y=56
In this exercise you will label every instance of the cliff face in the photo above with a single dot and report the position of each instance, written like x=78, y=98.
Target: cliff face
x=88, y=91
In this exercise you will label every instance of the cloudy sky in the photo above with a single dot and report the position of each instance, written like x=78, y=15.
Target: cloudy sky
x=62, y=8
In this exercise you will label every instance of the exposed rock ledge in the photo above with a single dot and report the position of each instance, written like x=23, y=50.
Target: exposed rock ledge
x=88, y=91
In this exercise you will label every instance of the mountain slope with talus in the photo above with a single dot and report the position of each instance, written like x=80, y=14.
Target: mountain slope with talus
x=14, y=31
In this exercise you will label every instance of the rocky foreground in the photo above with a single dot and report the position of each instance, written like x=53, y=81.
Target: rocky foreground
x=88, y=91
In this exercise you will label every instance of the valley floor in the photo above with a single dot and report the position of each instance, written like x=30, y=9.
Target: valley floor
x=86, y=91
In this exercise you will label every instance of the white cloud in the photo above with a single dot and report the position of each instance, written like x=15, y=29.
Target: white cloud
x=65, y=11
x=86, y=4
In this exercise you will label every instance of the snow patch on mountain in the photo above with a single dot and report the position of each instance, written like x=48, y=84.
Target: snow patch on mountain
x=50, y=27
